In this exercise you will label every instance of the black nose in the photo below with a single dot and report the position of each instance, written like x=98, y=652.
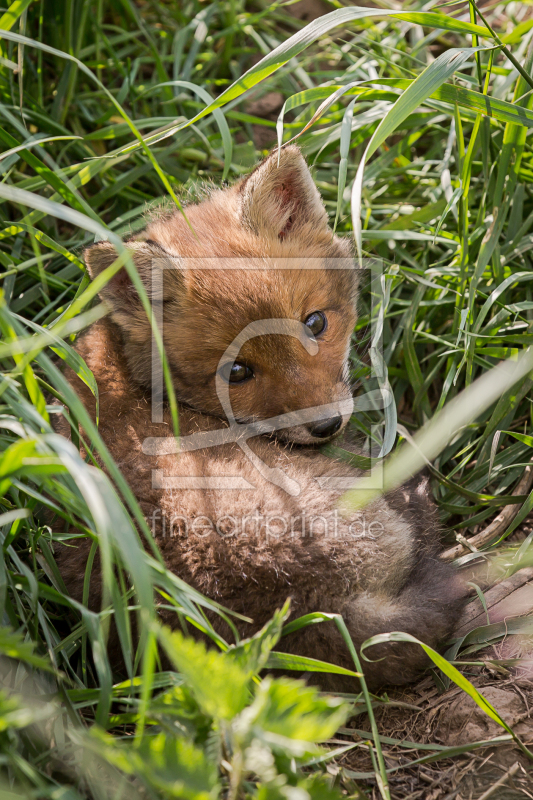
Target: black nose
x=326, y=428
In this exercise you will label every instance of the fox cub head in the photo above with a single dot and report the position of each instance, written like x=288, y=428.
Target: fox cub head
x=256, y=298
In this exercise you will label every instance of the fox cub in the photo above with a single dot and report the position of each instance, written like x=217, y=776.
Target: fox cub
x=256, y=302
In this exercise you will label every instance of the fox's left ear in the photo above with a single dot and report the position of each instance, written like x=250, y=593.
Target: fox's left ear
x=279, y=198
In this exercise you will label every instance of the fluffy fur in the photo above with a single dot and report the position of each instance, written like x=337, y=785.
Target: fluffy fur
x=379, y=569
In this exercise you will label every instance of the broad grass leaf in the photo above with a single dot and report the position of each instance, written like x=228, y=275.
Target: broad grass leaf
x=14, y=11
x=22, y=363
x=189, y=601
x=420, y=89
x=293, y=47
x=113, y=524
x=452, y=94
x=10, y=516
x=414, y=370
x=24, y=40
x=346, y=133
x=71, y=215
x=313, y=618
x=219, y=117
x=68, y=354
x=516, y=277
x=522, y=437
x=303, y=664
x=43, y=238
x=16, y=714
x=445, y=752
x=24, y=459
x=476, y=102
x=496, y=630
x=452, y=672
x=321, y=110
x=441, y=429
x=33, y=143
x=72, y=198
x=123, y=259
x=126, y=688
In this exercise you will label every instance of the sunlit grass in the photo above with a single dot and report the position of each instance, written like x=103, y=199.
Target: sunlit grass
x=426, y=158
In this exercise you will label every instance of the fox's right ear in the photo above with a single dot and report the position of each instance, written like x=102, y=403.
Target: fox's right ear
x=119, y=293
x=99, y=257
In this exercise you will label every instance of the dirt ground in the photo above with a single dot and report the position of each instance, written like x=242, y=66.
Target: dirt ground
x=430, y=713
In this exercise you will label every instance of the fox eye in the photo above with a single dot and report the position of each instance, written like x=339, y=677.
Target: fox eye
x=316, y=322
x=236, y=372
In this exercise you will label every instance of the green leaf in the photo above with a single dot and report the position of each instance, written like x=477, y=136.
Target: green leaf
x=346, y=132
x=315, y=787
x=167, y=763
x=217, y=681
x=68, y=354
x=420, y=89
x=304, y=664
x=219, y=117
x=178, y=768
x=451, y=672
x=16, y=714
x=253, y=654
x=288, y=714
x=440, y=430
x=522, y=437
x=9, y=17
x=49, y=176
x=301, y=40
x=13, y=645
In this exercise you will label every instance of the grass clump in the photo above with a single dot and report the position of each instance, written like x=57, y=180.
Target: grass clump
x=416, y=122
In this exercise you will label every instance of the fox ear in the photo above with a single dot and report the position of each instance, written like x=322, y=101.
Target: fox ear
x=280, y=198
x=119, y=292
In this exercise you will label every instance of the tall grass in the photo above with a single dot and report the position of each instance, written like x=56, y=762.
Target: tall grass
x=416, y=126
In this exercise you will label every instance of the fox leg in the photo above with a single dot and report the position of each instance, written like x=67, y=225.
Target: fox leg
x=401, y=586
x=427, y=607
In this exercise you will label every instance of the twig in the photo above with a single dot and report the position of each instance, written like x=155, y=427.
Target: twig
x=495, y=786
x=498, y=525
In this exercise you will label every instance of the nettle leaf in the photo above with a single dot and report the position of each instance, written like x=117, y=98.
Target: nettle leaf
x=218, y=683
x=177, y=767
x=291, y=717
x=168, y=764
x=252, y=654
x=178, y=704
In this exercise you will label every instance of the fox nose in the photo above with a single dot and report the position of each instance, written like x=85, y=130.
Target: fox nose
x=326, y=428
